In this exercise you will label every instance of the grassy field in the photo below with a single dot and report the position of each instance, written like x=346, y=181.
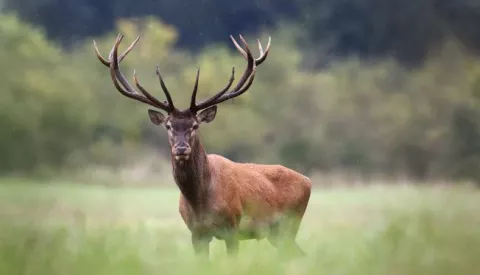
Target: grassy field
x=73, y=229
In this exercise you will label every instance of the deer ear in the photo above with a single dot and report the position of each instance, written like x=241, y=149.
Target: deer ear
x=157, y=118
x=208, y=114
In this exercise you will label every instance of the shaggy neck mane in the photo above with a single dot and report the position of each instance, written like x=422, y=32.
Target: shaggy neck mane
x=192, y=176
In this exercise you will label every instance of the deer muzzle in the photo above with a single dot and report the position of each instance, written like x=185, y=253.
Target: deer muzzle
x=181, y=151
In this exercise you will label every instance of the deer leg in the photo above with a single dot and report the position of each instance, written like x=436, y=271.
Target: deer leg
x=232, y=244
x=286, y=246
x=283, y=234
x=201, y=244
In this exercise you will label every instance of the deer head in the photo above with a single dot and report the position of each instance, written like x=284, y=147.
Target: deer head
x=181, y=125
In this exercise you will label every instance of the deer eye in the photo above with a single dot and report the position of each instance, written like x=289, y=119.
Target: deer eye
x=168, y=127
x=195, y=127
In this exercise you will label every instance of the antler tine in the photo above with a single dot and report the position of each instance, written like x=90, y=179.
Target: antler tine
x=123, y=90
x=250, y=63
x=194, y=93
x=122, y=56
x=241, y=82
x=120, y=81
x=263, y=54
x=99, y=55
x=247, y=78
x=236, y=93
x=115, y=71
x=239, y=48
x=260, y=48
x=145, y=92
x=164, y=88
x=194, y=107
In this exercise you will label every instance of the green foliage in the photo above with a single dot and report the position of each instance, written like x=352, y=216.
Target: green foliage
x=61, y=111
x=93, y=230
x=57, y=109
x=41, y=110
x=404, y=29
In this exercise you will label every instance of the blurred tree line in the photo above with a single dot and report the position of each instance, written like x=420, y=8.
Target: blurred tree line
x=404, y=29
x=59, y=109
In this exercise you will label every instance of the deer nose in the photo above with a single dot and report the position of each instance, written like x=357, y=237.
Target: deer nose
x=182, y=149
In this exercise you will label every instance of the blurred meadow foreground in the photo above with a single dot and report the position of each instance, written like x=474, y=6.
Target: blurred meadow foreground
x=378, y=102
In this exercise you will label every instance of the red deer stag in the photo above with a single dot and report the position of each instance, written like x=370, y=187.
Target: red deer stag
x=221, y=198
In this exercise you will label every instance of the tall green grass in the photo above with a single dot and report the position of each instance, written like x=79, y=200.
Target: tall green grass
x=67, y=229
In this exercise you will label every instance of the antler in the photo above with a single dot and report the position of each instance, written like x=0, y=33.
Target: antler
x=245, y=81
x=263, y=54
x=121, y=82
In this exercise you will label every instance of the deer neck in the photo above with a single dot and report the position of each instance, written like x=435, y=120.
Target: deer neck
x=193, y=176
